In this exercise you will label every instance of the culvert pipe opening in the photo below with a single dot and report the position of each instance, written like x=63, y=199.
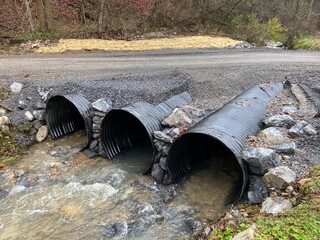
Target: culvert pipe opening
x=125, y=137
x=66, y=114
x=208, y=158
x=127, y=132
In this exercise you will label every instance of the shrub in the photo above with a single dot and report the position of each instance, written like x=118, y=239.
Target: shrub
x=308, y=43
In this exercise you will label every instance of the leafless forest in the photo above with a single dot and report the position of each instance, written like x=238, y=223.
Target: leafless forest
x=249, y=20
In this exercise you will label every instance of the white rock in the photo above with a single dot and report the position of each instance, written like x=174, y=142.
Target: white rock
x=280, y=177
x=102, y=105
x=29, y=116
x=4, y=120
x=16, y=87
x=2, y=111
x=280, y=121
x=177, y=118
x=275, y=205
x=309, y=130
x=42, y=134
x=271, y=134
x=246, y=234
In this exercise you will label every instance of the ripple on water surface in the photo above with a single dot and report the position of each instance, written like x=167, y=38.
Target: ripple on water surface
x=55, y=192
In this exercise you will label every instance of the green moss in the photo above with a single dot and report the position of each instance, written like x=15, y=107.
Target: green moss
x=8, y=143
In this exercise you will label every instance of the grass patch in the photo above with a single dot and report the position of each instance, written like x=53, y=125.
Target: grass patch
x=4, y=93
x=299, y=223
x=307, y=43
x=8, y=143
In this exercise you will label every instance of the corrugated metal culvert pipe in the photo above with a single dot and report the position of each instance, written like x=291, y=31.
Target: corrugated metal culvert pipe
x=220, y=137
x=69, y=113
x=131, y=127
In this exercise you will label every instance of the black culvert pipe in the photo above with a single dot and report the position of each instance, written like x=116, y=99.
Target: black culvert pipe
x=125, y=128
x=69, y=113
x=223, y=134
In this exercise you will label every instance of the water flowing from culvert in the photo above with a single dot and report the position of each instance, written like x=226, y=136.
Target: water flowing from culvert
x=55, y=192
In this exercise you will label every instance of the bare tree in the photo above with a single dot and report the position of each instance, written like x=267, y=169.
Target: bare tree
x=101, y=20
x=29, y=14
x=45, y=14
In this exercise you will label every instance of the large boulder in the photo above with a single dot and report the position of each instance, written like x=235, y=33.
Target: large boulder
x=280, y=177
x=260, y=160
x=271, y=134
x=280, y=121
x=177, y=118
x=287, y=148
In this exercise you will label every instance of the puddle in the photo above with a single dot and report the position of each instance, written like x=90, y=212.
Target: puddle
x=56, y=192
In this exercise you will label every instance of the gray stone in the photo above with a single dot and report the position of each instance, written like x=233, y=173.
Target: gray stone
x=102, y=105
x=162, y=136
x=101, y=150
x=177, y=118
x=18, y=173
x=29, y=116
x=289, y=147
x=108, y=231
x=271, y=134
x=43, y=93
x=296, y=130
x=100, y=114
x=152, y=186
x=93, y=144
x=174, y=132
x=157, y=173
x=280, y=177
x=96, y=135
x=42, y=134
x=96, y=126
x=16, y=87
x=121, y=229
x=167, y=179
x=280, y=121
x=97, y=120
x=198, y=112
x=158, y=145
x=257, y=190
x=289, y=109
x=163, y=163
x=275, y=205
x=37, y=124
x=39, y=105
x=3, y=193
x=309, y=130
x=260, y=160
x=39, y=114
x=165, y=149
x=22, y=105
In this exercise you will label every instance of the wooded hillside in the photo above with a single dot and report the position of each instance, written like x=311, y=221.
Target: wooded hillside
x=249, y=20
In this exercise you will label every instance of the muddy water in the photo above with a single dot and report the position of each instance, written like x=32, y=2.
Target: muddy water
x=55, y=192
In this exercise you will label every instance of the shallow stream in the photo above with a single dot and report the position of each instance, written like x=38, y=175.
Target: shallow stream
x=57, y=192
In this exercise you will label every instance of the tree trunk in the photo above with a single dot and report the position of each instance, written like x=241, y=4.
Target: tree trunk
x=45, y=16
x=310, y=10
x=29, y=14
x=101, y=20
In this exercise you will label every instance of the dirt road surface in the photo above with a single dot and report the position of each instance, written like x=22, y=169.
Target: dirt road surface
x=210, y=72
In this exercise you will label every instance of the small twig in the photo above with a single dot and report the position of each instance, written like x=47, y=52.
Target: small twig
x=8, y=109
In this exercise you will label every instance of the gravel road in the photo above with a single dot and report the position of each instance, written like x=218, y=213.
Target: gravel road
x=210, y=73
